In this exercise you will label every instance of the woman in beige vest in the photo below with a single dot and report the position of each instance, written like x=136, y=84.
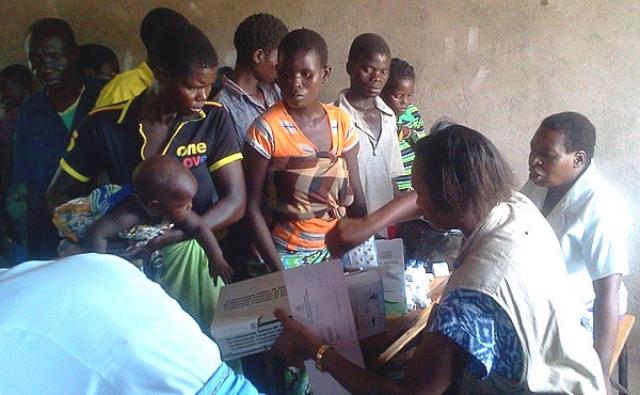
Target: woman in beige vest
x=503, y=325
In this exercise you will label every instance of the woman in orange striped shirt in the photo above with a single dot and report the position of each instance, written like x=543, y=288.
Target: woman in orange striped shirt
x=300, y=162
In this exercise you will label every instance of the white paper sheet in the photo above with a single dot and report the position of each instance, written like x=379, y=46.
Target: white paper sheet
x=323, y=305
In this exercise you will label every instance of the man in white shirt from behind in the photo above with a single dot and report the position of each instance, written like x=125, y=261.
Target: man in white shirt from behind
x=94, y=324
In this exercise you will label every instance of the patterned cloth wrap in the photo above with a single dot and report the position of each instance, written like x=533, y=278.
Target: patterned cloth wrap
x=301, y=188
x=412, y=120
x=74, y=217
x=289, y=259
x=482, y=328
x=305, y=187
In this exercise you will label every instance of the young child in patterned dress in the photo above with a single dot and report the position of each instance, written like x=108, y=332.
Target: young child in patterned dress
x=161, y=196
x=398, y=95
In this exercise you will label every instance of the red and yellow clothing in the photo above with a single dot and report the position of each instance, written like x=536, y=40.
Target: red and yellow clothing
x=276, y=136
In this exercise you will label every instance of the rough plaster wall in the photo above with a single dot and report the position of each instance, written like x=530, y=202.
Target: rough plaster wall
x=499, y=66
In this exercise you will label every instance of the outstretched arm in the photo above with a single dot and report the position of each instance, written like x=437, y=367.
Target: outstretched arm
x=436, y=363
x=218, y=266
x=121, y=217
x=350, y=232
x=358, y=208
x=255, y=168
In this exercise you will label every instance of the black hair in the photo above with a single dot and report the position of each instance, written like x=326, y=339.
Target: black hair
x=464, y=172
x=159, y=177
x=155, y=22
x=398, y=70
x=216, y=87
x=258, y=31
x=401, y=70
x=305, y=40
x=19, y=73
x=181, y=47
x=47, y=26
x=93, y=56
x=579, y=133
x=441, y=124
x=366, y=45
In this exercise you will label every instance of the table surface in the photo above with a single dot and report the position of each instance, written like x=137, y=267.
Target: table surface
x=402, y=329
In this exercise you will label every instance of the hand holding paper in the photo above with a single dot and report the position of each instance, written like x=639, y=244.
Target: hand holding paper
x=296, y=343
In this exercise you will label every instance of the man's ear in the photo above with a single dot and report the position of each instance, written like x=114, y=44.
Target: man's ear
x=154, y=207
x=259, y=56
x=349, y=68
x=580, y=159
x=326, y=73
x=160, y=74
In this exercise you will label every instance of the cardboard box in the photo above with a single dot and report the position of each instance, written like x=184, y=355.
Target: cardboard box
x=314, y=295
x=244, y=323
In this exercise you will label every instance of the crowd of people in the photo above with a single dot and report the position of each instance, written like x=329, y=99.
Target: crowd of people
x=219, y=177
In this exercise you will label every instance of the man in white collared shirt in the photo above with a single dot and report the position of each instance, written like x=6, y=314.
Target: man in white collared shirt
x=589, y=218
x=379, y=159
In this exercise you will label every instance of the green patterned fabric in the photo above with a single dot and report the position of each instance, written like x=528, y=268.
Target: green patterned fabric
x=411, y=120
x=187, y=280
x=291, y=259
x=296, y=379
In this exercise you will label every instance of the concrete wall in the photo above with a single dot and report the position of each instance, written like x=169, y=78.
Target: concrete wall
x=499, y=66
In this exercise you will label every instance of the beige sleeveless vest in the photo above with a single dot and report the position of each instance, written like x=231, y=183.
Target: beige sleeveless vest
x=514, y=257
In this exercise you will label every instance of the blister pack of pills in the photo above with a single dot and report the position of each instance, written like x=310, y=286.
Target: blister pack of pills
x=363, y=256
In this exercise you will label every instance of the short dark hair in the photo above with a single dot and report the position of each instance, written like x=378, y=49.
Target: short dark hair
x=258, y=31
x=93, y=56
x=216, y=87
x=464, y=172
x=157, y=175
x=366, y=45
x=401, y=70
x=305, y=40
x=19, y=73
x=441, y=124
x=579, y=133
x=398, y=70
x=181, y=47
x=155, y=22
x=47, y=26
